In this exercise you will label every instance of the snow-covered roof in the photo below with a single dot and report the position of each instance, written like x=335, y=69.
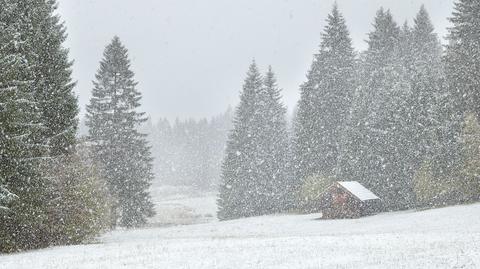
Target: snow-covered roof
x=358, y=190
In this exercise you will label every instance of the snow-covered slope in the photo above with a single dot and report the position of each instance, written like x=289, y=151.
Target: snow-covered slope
x=440, y=238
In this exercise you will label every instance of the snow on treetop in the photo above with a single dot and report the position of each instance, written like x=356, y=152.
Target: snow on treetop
x=358, y=190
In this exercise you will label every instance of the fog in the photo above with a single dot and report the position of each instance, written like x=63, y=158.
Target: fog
x=191, y=56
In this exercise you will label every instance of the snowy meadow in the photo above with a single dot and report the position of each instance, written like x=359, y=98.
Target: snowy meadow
x=440, y=238
x=375, y=163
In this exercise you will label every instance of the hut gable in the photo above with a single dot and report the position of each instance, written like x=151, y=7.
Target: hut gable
x=349, y=199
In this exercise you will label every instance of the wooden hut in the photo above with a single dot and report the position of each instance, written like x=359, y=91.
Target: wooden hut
x=348, y=199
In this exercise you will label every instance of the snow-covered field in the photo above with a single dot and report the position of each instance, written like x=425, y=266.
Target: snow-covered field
x=181, y=206
x=440, y=238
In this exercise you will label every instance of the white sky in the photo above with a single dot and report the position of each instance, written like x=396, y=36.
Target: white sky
x=191, y=56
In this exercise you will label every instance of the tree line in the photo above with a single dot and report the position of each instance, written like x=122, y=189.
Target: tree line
x=189, y=152
x=401, y=118
x=56, y=188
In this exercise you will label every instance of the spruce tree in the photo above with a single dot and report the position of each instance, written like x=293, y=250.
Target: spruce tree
x=52, y=74
x=325, y=102
x=462, y=82
x=463, y=57
x=272, y=149
x=406, y=43
x=237, y=192
x=254, y=172
x=113, y=119
x=26, y=192
x=378, y=150
x=434, y=129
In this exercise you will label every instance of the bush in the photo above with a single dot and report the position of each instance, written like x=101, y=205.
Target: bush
x=468, y=178
x=462, y=183
x=311, y=191
x=80, y=210
x=430, y=191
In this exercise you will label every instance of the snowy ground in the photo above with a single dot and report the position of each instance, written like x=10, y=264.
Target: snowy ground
x=181, y=206
x=441, y=238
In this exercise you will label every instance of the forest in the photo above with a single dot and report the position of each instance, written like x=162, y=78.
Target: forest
x=401, y=118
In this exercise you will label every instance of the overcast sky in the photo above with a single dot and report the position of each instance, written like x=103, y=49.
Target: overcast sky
x=190, y=56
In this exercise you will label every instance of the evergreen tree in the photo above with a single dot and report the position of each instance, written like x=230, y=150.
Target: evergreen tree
x=325, y=102
x=272, y=149
x=463, y=57
x=254, y=175
x=26, y=192
x=434, y=121
x=52, y=72
x=406, y=43
x=460, y=90
x=113, y=119
x=237, y=194
x=426, y=74
x=378, y=151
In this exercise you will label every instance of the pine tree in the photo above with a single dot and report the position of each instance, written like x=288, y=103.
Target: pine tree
x=272, y=149
x=52, y=71
x=435, y=122
x=463, y=57
x=406, y=45
x=113, y=119
x=426, y=74
x=378, y=150
x=325, y=102
x=460, y=90
x=254, y=175
x=237, y=194
x=24, y=218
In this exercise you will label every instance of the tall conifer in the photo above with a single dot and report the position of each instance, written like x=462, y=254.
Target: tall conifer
x=378, y=150
x=272, y=149
x=25, y=191
x=113, y=119
x=237, y=189
x=325, y=102
x=463, y=56
x=52, y=74
x=434, y=127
